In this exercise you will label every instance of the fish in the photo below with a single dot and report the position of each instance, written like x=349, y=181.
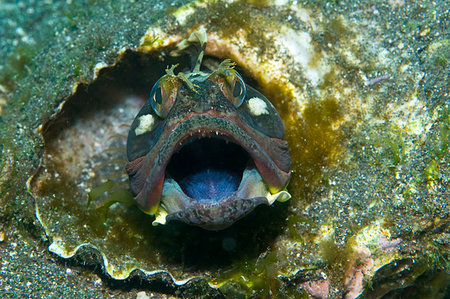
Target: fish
x=206, y=148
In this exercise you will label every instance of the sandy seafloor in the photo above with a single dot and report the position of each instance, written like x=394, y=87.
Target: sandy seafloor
x=388, y=65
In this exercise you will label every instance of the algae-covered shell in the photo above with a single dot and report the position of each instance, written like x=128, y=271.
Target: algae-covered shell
x=360, y=175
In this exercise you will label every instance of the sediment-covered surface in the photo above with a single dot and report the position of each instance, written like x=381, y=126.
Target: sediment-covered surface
x=363, y=90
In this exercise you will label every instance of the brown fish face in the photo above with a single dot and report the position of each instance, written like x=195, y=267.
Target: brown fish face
x=206, y=149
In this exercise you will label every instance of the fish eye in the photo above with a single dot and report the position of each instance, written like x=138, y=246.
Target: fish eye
x=157, y=93
x=238, y=90
x=162, y=96
x=230, y=83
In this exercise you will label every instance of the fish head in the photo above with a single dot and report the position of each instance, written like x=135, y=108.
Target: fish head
x=206, y=149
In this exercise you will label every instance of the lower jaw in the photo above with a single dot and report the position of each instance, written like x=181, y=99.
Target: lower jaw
x=176, y=205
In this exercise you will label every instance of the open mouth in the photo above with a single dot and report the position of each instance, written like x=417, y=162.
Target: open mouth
x=208, y=169
x=212, y=181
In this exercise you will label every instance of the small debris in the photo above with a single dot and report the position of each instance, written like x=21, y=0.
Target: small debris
x=377, y=80
x=2, y=103
x=388, y=245
x=142, y=295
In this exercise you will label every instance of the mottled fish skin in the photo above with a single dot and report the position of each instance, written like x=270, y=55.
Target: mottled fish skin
x=201, y=108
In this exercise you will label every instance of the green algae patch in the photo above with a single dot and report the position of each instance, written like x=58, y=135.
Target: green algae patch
x=433, y=172
x=317, y=141
x=336, y=31
x=314, y=138
x=16, y=65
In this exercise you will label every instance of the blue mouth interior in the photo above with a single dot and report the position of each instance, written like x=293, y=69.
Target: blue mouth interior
x=208, y=169
x=210, y=185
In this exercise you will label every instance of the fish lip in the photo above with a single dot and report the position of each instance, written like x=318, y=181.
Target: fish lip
x=155, y=163
x=218, y=216
x=201, y=134
x=250, y=193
